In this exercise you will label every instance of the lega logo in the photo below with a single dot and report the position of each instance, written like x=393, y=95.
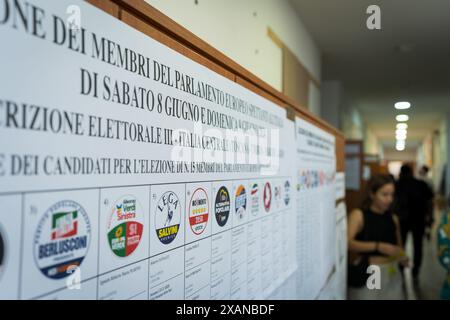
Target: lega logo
x=125, y=226
x=167, y=217
x=62, y=239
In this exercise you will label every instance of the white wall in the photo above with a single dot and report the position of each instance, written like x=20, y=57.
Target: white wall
x=408, y=155
x=352, y=123
x=331, y=94
x=238, y=28
x=314, y=99
x=371, y=143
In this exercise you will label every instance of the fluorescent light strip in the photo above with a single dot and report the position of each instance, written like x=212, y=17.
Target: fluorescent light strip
x=402, y=117
x=402, y=105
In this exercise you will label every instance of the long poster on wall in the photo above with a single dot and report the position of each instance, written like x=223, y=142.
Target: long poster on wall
x=128, y=171
x=316, y=220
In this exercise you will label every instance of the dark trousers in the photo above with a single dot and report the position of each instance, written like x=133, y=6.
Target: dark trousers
x=418, y=231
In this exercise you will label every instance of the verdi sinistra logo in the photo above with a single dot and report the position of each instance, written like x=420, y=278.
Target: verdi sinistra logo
x=62, y=239
x=125, y=226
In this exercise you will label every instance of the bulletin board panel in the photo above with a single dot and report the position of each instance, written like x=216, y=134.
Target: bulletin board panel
x=58, y=219
x=145, y=18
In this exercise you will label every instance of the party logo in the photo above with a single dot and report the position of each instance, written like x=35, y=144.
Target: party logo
x=222, y=206
x=62, y=239
x=240, y=202
x=254, y=199
x=198, y=211
x=125, y=226
x=168, y=217
x=287, y=190
x=267, y=196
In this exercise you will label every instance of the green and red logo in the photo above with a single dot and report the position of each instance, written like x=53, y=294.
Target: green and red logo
x=125, y=226
x=64, y=225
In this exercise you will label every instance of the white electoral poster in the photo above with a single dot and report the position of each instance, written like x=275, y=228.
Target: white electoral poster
x=341, y=251
x=316, y=220
x=129, y=171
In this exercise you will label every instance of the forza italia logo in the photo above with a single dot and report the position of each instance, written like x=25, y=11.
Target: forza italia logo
x=62, y=239
x=125, y=226
x=167, y=217
x=198, y=211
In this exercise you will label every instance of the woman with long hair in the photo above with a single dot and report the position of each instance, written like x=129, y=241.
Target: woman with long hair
x=374, y=239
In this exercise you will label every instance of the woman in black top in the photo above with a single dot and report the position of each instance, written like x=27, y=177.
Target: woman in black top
x=375, y=245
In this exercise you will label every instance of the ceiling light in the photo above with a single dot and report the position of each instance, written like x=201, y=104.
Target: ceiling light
x=402, y=105
x=401, y=131
x=400, y=134
x=402, y=117
x=400, y=145
x=402, y=125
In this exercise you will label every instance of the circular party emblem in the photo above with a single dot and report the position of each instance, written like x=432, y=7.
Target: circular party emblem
x=267, y=196
x=2, y=251
x=222, y=206
x=254, y=199
x=125, y=226
x=240, y=202
x=198, y=211
x=321, y=178
x=168, y=217
x=304, y=180
x=287, y=189
x=62, y=239
x=316, y=179
x=277, y=193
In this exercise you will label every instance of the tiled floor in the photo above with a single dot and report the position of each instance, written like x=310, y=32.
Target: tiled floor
x=432, y=274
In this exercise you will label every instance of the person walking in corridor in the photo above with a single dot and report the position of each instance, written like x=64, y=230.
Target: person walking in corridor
x=413, y=206
x=374, y=238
